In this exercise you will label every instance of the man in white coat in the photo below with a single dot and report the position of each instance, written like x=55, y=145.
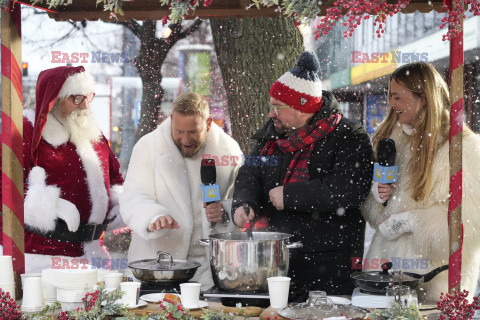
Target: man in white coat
x=162, y=200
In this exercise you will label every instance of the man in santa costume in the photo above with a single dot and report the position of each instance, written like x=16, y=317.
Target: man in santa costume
x=72, y=177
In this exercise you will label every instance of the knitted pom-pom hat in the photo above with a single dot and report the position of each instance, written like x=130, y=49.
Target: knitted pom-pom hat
x=300, y=87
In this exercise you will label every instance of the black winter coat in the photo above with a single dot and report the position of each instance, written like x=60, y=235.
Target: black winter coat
x=323, y=213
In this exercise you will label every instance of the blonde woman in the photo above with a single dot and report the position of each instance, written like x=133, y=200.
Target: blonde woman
x=413, y=226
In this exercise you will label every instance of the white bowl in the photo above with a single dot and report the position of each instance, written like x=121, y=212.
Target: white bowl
x=73, y=279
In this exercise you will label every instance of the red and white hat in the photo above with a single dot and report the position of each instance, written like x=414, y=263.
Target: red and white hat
x=300, y=87
x=54, y=83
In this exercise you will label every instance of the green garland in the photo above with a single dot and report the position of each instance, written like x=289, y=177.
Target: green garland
x=103, y=304
x=396, y=312
x=179, y=9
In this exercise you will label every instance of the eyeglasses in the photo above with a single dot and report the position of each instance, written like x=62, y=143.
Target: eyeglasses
x=79, y=98
x=276, y=108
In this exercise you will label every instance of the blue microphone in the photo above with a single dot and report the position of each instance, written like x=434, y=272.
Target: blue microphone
x=385, y=171
x=209, y=188
x=208, y=175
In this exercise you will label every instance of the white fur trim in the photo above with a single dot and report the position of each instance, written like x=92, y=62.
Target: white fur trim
x=79, y=83
x=68, y=212
x=54, y=132
x=375, y=193
x=41, y=201
x=115, y=193
x=30, y=115
x=312, y=88
x=407, y=129
x=95, y=181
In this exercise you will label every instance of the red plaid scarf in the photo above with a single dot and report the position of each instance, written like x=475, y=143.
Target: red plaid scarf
x=301, y=143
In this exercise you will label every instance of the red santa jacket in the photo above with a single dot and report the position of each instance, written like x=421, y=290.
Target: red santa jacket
x=87, y=177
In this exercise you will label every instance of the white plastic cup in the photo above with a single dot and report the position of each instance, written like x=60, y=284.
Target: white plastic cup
x=32, y=294
x=131, y=293
x=49, y=290
x=6, y=270
x=190, y=294
x=29, y=275
x=278, y=288
x=113, y=280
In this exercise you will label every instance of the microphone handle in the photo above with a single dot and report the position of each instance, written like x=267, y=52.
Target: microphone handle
x=212, y=224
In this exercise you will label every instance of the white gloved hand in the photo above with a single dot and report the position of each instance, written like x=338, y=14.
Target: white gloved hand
x=43, y=205
x=396, y=225
x=68, y=212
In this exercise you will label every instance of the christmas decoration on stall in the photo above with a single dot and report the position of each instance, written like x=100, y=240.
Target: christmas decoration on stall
x=457, y=307
x=306, y=11
x=98, y=304
x=396, y=312
x=356, y=11
x=455, y=15
x=9, y=309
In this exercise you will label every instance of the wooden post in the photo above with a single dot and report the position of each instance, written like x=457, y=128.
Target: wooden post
x=456, y=129
x=12, y=140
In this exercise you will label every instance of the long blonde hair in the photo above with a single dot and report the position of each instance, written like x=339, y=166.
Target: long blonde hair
x=431, y=128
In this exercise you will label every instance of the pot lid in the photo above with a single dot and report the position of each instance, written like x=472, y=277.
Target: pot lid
x=167, y=264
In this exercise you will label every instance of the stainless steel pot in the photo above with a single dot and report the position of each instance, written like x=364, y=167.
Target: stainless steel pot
x=240, y=264
x=164, y=269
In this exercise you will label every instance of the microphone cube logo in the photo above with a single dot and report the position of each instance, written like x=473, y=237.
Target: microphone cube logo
x=210, y=193
x=384, y=174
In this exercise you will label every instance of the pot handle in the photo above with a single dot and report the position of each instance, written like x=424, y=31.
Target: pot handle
x=429, y=276
x=164, y=254
x=204, y=242
x=294, y=245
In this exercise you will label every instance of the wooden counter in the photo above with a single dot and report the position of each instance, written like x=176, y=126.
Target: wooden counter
x=253, y=312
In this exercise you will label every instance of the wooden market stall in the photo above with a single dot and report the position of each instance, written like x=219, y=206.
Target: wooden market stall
x=12, y=170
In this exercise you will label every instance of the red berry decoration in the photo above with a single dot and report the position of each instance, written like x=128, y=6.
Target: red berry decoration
x=9, y=309
x=457, y=306
x=358, y=10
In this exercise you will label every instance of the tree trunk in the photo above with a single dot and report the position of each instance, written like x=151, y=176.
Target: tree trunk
x=149, y=60
x=149, y=64
x=252, y=54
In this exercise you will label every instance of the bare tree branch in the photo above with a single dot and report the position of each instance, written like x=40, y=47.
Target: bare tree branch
x=132, y=25
x=193, y=27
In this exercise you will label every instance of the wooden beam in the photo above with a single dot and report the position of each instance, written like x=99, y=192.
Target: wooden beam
x=13, y=240
x=206, y=13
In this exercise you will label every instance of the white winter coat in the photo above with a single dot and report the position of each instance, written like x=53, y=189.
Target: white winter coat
x=157, y=184
x=429, y=238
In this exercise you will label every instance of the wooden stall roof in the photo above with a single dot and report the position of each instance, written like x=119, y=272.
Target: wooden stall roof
x=151, y=9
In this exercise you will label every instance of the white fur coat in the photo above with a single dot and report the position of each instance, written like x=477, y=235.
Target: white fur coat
x=157, y=184
x=429, y=238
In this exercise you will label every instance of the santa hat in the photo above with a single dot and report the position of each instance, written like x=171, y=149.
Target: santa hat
x=300, y=87
x=57, y=83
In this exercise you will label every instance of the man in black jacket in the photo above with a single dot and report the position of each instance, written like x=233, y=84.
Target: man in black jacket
x=316, y=172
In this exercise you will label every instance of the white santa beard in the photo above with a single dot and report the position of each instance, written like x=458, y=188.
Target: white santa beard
x=82, y=127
